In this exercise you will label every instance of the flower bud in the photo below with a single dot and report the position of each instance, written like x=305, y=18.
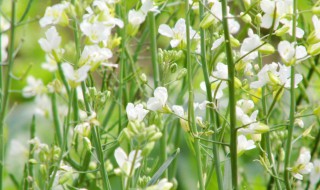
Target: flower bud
x=256, y=137
x=234, y=42
x=143, y=78
x=147, y=149
x=267, y=49
x=182, y=73
x=274, y=79
x=207, y=21
x=87, y=143
x=298, y=122
x=314, y=49
x=257, y=19
x=245, y=17
x=262, y=128
x=316, y=111
x=281, y=31
x=237, y=83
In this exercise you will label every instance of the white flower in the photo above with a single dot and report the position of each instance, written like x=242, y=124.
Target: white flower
x=93, y=55
x=55, y=15
x=42, y=105
x=83, y=129
x=287, y=51
x=274, y=10
x=303, y=164
x=4, y=45
x=178, y=33
x=248, y=45
x=288, y=25
x=50, y=64
x=201, y=105
x=217, y=43
x=278, y=70
x=75, y=76
x=221, y=71
x=137, y=17
x=52, y=40
x=216, y=87
x=34, y=87
x=159, y=100
x=126, y=162
x=245, y=105
x=216, y=10
x=5, y=25
x=178, y=110
x=163, y=184
x=316, y=25
x=136, y=113
x=96, y=31
x=243, y=144
x=315, y=174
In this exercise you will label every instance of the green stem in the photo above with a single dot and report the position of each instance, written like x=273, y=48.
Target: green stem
x=154, y=57
x=31, y=153
x=232, y=101
x=292, y=106
x=56, y=118
x=191, y=117
x=5, y=91
x=216, y=159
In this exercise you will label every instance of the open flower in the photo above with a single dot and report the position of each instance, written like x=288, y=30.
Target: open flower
x=34, y=87
x=95, y=56
x=126, y=162
x=163, y=184
x=315, y=174
x=136, y=112
x=289, y=52
x=159, y=100
x=248, y=45
x=178, y=33
x=52, y=40
x=303, y=164
x=221, y=71
x=75, y=77
x=55, y=15
x=279, y=72
x=274, y=11
x=96, y=31
x=243, y=144
x=178, y=110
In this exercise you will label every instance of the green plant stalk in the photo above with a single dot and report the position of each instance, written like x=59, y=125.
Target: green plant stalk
x=191, y=117
x=292, y=105
x=56, y=118
x=64, y=80
x=205, y=71
x=232, y=98
x=65, y=141
x=266, y=136
x=156, y=80
x=5, y=91
x=122, y=90
x=31, y=153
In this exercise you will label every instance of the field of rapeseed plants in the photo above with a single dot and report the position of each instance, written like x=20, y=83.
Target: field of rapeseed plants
x=160, y=94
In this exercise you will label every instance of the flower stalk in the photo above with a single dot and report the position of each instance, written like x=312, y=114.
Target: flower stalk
x=191, y=117
x=205, y=71
x=292, y=105
x=232, y=98
x=5, y=89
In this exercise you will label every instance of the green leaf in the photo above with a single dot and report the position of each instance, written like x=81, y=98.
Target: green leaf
x=163, y=167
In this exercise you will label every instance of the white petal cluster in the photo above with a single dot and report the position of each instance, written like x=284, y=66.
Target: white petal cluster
x=289, y=52
x=303, y=164
x=34, y=87
x=163, y=184
x=52, y=40
x=137, y=17
x=315, y=174
x=75, y=77
x=125, y=162
x=243, y=144
x=159, y=100
x=136, y=112
x=278, y=70
x=249, y=44
x=274, y=11
x=55, y=15
x=178, y=33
